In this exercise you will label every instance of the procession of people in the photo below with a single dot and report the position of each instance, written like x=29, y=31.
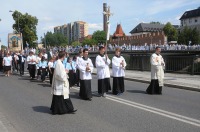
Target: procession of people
x=65, y=72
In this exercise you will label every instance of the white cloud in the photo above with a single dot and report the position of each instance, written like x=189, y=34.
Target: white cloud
x=163, y=5
x=94, y=27
x=45, y=19
x=48, y=28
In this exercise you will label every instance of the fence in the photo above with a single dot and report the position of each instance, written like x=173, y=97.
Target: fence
x=174, y=63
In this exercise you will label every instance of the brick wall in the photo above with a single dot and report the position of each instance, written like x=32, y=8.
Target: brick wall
x=154, y=38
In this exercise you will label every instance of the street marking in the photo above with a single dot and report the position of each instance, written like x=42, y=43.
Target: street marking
x=161, y=112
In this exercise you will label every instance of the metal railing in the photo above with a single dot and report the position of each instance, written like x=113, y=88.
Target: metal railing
x=189, y=64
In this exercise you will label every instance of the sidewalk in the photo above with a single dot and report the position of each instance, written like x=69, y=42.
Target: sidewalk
x=173, y=80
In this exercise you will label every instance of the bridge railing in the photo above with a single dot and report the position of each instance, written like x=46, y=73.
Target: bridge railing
x=189, y=64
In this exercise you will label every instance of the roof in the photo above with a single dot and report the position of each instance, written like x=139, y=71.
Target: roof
x=147, y=27
x=190, y=14
x=119, y=31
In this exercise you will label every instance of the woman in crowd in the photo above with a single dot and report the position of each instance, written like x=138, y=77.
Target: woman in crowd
x=7, y=62
x=71, y=68
x=38, y=58
x=43, y=68
x=51, y=69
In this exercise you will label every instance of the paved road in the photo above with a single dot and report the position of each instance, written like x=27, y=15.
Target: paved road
x=24, y=107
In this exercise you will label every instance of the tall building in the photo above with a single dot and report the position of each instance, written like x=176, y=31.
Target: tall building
x=80, y=29
x=61, y=29
x=191, y=19
x=73, y=31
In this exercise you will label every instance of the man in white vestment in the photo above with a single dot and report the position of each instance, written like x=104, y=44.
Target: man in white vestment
x=61, y=102
x=86, y=67
x=118, y=72
x=103, y=72
x=157, y=73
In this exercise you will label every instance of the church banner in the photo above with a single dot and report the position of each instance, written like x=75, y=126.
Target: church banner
x=14, y=42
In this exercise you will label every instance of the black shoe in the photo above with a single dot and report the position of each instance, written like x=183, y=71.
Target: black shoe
x=73, y=111
x=89, y=99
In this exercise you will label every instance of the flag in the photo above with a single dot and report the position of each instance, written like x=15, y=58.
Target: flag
x=108, y=30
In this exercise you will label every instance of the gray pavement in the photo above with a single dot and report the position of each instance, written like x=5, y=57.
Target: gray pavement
x=173, y=80
x=24, y=105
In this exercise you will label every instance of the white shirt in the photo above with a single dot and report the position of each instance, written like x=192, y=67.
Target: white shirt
x=7, y=60
x=45, y=55
x=102, y=66
x=82, y=64
x=50, y=64
x=117, y=68
x=29, y=58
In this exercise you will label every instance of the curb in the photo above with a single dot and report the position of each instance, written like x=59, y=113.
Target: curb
x=166, y=84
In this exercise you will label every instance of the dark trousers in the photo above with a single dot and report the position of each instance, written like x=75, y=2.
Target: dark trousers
x=1, y=65
x=51, y=75
x=43, y=73
x=32, y=68
x=21, y=68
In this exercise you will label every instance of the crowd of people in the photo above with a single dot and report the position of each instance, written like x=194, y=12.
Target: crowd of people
x=65, y=71
x=130, y=47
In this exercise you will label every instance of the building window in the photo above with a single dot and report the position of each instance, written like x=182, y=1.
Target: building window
x=195, y=20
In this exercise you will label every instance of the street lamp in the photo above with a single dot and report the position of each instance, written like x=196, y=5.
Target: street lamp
x=18, y=28
x=17, y=21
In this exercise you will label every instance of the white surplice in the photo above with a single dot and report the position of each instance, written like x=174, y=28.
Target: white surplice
x=117, y=69
x=60, y=82
x=102, y=65
x=82, y=64
x=157, y=71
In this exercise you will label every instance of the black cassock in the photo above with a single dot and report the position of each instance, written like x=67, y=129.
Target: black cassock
x=154, y=87
x=85, y=89
x=118, y=85
x=103, y=85
x=60, y=105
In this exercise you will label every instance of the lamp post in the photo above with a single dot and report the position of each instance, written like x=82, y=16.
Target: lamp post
x=18, y=28
x=17, y=21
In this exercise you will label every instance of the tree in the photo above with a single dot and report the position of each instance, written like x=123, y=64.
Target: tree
x=89, y=42
x=76, y=43
x=3, y=47
x=55, y=39
x=170, y=32
x=27, y=26
x=188, y=34
x=99, y=36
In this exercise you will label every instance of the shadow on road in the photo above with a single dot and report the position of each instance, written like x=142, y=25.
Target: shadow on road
x=137, y=91
x=45, y=85
x=42, y=109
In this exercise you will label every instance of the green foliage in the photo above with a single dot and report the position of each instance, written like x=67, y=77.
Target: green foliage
x=188, y=34
x=99, y=36
x=55, y=39
x=76, y=43
x=25, y=24
x=89, y=42
x=170, y=32
x=3, y=47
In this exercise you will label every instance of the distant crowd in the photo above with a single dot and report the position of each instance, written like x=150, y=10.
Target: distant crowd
x=126, y=47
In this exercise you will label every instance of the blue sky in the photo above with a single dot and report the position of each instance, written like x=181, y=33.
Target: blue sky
x=129, y=13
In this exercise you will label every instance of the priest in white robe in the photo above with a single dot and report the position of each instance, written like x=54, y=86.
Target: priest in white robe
x=61, y=102
x=103, y=72
x=157, y=73
x=85, y=67
x=118, y=72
